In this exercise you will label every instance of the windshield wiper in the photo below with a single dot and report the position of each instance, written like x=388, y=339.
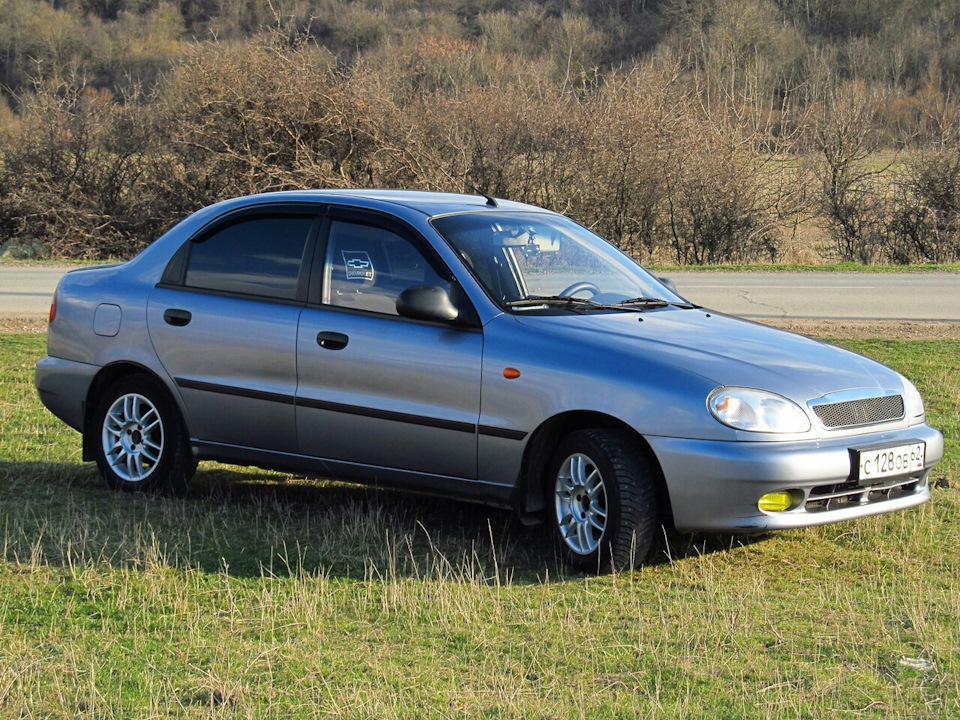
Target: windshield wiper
x=653, y=302
x=535, y=300
x=646, y=301
x=636, y=304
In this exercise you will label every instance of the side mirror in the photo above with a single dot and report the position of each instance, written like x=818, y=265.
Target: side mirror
x=669, y=283
x=427, y=302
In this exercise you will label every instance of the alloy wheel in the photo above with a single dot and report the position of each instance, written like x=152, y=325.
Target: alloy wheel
x=581, y=503
x=132, y=437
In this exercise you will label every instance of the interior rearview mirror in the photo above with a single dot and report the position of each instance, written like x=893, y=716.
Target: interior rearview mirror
x=533, y=246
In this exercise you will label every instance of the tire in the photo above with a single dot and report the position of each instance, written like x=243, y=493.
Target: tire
x=603, y=503
x=139, y=439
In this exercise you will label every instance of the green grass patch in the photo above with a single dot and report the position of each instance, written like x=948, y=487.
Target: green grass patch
x=262, y=594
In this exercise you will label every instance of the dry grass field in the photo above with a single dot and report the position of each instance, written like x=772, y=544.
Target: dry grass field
x=264, y=595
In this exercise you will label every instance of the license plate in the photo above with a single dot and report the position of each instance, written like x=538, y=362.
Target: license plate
x=881, y=462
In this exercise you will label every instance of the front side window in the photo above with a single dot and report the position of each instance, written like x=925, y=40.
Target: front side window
x=256, y=256
x=519, y=256
x=367, y=268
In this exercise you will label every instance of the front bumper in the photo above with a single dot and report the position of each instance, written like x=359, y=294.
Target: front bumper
x=714, y=486
x=63, y=386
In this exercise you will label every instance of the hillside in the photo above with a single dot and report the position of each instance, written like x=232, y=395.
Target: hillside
x=686, y=132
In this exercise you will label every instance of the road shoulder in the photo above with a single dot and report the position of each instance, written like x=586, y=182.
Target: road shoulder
x=856, y=329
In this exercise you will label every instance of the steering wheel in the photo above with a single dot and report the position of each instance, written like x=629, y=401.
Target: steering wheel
x=582, y=285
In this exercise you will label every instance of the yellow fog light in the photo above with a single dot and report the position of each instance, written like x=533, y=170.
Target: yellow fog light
x=776, y=501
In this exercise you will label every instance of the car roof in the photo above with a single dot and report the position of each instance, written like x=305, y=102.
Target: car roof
x=429, y=203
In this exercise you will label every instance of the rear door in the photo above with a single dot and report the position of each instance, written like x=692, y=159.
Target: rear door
x=224, y=324
x=377, y=390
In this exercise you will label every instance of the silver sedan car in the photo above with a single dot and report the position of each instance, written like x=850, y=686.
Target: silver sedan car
x=475, y=348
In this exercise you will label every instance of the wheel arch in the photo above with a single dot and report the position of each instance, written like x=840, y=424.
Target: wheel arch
x=543, y=443
x=107, y=376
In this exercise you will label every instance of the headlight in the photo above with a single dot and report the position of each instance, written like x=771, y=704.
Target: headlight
x=912, y=402
x=757, y=411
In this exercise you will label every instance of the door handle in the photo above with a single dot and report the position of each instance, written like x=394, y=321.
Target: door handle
x=177, y=318
x=332, y=340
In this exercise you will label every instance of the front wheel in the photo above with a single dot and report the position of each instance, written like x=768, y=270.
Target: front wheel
x=604, y=506
x=140, y=440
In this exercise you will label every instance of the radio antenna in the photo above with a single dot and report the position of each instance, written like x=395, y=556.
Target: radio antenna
x=490, y=201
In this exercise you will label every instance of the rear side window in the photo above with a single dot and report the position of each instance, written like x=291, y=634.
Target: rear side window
x=256, y=256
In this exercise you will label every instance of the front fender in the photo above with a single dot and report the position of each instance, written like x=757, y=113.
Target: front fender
x=557, y=377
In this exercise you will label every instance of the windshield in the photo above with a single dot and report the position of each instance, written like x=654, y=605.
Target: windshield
x=523, y=256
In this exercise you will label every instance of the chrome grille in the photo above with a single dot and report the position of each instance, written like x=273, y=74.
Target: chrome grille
x=860, y=412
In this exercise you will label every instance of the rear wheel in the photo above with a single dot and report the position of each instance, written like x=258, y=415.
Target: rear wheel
x=604, y=506
x=140, y=440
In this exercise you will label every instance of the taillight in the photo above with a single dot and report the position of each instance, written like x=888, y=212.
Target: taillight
x=53, y=306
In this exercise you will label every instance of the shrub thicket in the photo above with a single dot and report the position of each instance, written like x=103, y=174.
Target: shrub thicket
x=628, y=156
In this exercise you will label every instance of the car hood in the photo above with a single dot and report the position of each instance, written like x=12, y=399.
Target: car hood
x=724, y=349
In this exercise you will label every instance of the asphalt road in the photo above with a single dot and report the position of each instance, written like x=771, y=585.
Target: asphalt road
x=839, y=296
x=28, y=290
x=815, y=295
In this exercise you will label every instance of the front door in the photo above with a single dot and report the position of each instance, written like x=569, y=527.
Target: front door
x=378, y=391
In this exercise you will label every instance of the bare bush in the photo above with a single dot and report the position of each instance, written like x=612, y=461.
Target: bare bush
x=854, y=200
x=245, y=119
x=716, y=210
x=926, y=224
x=73, y=173
x=633, y=126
